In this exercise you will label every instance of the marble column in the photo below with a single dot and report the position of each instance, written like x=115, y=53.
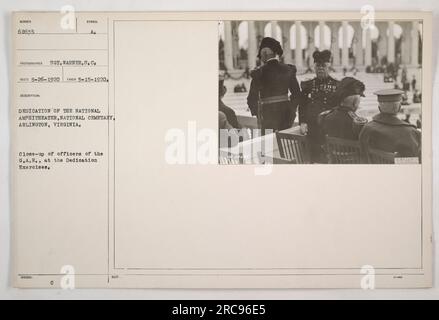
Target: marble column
x=286, y=44
x=368, y=48
x=235, y=43
x=391, y=43
x=414, y=57
x=345, y=48
x=252, y=45
x=335, y=46
x=406, y=42
x=309, y=26
x=298, y=58
x=359, y=57
x=259, y=31
x=382, y=40
x=228, y=47
x=312, y=43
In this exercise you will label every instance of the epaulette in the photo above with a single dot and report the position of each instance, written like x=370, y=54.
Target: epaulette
x=411, y=125
x=333, y=80
x=357, y=119
x=323, y=114
x=293, y=67
x=306, y=84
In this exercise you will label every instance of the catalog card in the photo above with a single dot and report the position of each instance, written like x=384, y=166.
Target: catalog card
x=221, y=150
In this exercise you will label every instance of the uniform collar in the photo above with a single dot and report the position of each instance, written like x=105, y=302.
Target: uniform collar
x=389, y=119
x=324, y=80
x=272, y=61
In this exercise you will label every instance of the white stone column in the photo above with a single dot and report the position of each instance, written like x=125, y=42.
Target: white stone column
x=298, y=59
x=252, y=45
x=286, y=45
x=368, y=49
x=359, y=61
x=309, y=26
x=335, y=47
x=259, y=25
x=228, y=46
x=406, y=43
x=345, y=48
x=415, y=44
x=391, y=43
x=235, y=42
x=322, y=35
x=382, y=41
x=312, y=45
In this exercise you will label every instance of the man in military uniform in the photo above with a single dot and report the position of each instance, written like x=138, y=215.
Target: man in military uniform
x=342, y=121
x=268, y=97
x=387, y=132
x=317, y=97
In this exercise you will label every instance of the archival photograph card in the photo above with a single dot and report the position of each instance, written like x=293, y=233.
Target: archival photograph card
x=221, y=149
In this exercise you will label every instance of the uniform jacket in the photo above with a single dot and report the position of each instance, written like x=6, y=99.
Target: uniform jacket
x=388, y=133
x=341, y=122
x=273, y=79
x=318, y=96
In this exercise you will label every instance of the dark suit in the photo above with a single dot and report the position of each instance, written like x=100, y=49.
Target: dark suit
x=274, y=79
x=388, y=133
x=318, y=96
x=341, y=122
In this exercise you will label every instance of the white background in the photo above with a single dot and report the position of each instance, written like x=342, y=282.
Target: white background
x=6, y=292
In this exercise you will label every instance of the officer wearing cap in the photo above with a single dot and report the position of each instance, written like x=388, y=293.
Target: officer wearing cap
x=387, y=132
x=342, y=121
x=318, y=97
x=271, y=84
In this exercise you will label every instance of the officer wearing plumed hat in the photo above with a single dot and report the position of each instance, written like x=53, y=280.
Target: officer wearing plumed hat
x=342, y=121
x=318, y=97
x=274, y=91
x=387, y=132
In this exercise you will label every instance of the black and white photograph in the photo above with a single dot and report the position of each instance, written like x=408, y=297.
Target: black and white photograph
x=320, y=92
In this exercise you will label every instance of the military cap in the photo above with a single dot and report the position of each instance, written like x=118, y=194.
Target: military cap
x=349, y=86
x=389, y=95
x=321, y=56
x=271, y=43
